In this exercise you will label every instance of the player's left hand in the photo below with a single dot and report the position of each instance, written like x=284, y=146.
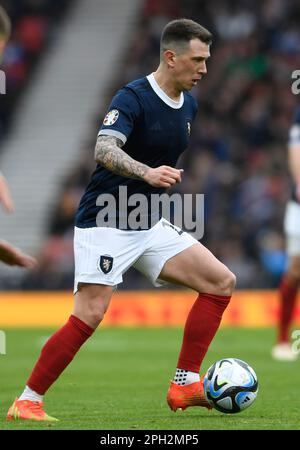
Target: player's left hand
x=14, y=257
x=5, y=196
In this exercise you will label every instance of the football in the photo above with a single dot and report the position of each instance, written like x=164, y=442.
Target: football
x=230, y=385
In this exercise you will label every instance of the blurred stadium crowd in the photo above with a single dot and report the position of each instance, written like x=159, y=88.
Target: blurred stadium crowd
x=237, y=155
x=33, y=25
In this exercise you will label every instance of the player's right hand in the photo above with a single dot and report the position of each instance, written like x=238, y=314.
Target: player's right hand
x=163, y=176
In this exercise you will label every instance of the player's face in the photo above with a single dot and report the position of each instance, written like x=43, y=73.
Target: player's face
x=190, y=66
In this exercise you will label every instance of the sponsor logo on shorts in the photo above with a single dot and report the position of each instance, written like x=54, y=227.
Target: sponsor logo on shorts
x=111, y=117
x=105, y=263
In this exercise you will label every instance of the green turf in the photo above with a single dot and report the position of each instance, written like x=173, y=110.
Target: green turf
x=120, y=378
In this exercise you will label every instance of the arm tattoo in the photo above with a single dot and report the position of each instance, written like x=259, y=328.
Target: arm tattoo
x=109, y=154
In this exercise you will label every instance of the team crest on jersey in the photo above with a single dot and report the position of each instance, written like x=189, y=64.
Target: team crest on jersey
x=111, y=117
x=188, y=128
x=105, y=263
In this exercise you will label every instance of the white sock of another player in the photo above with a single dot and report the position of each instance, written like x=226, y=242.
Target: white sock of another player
x=184, y=377
x=29, y=394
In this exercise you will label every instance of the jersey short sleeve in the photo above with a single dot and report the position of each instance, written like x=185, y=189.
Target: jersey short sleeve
x=121, y=116
x=294, y=137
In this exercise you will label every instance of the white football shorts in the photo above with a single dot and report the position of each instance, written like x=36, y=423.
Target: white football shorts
x=103, y=255
x=292, y=228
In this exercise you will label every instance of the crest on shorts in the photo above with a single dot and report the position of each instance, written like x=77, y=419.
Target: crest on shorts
x=105, y=263
x=111, y=117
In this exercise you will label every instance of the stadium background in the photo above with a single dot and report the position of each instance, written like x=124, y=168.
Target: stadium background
x=65, y=60
x=237, y=155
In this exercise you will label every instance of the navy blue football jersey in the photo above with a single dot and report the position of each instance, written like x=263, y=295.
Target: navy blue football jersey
x=154, y=129
x=294, y=139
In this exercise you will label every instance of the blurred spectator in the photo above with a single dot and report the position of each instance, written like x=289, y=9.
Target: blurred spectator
x=272, y=255
x=33, y=26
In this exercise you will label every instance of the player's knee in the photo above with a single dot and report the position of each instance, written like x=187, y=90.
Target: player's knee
x=227, y=283
x=91, y=303
x=92, y=314
x=95, y=315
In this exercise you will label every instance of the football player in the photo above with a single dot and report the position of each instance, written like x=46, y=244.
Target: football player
x=146, y=128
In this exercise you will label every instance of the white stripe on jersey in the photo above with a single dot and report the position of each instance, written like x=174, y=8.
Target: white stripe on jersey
x=114, y=133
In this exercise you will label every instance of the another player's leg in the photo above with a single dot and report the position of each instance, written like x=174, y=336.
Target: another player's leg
x=198, y=269
x=91, y=303
x=288, y=290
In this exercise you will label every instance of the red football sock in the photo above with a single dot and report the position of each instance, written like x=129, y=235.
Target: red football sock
x=57, y=353
x=288, y=295
x=202, y=323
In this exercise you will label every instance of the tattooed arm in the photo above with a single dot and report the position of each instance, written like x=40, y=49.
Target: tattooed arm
x=108, y=153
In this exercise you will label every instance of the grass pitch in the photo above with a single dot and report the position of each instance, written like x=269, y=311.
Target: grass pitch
x=119, y=380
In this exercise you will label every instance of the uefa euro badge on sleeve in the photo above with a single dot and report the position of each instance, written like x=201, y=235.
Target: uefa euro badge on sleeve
x=111, y=117
x=105, y=262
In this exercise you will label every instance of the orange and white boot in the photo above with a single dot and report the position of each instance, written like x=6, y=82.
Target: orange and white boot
x=181, y=397
x=28, y=410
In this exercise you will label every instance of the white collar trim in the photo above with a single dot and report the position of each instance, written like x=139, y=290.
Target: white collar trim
x=164, y=97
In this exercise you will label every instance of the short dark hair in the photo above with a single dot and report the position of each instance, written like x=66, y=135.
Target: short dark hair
x=181, y=31
x=5, y=25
